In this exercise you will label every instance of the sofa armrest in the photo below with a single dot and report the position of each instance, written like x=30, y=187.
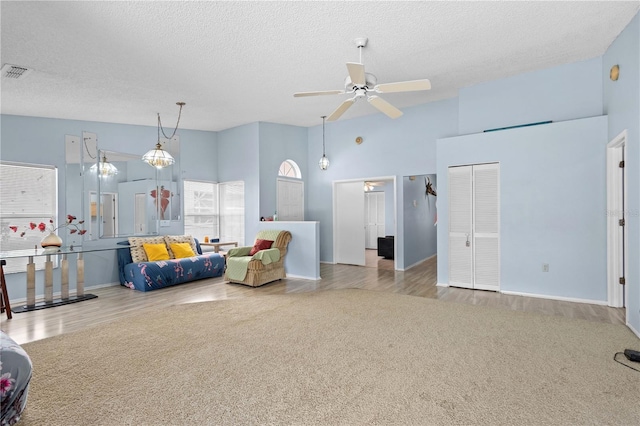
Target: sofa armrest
x=267, y=256
x=239, y=251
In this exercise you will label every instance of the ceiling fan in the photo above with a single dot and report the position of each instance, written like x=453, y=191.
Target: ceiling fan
x=362, y=84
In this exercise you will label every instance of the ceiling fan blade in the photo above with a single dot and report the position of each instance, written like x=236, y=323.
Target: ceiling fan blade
x=356, y=72
x=323, y=92
x=384, y=107
x=341, y=109
x=403, y=86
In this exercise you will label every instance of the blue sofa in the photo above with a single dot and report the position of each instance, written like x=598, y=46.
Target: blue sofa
x=147, y=276
x=15, y=370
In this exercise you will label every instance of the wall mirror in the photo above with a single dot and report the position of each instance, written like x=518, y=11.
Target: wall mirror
x=117, y=193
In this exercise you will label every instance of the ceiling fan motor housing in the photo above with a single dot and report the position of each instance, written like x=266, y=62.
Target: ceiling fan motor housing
x=370, y=82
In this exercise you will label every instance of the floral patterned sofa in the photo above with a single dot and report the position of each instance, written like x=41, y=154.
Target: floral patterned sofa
x=137, y=272
x=15, y=376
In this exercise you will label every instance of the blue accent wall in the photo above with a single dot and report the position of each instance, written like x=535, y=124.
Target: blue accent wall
x=552, y=204
x=622, y=104
x=420, y=239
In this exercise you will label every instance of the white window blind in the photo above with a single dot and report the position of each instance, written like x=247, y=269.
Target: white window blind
x=201, y=209
x=28, y=193
x=232, y=211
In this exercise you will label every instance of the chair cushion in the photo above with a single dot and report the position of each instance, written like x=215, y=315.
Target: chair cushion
x=181, y=250
x=260, y=245
x=137, y=250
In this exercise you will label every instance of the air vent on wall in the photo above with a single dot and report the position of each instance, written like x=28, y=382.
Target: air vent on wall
x=14, y=71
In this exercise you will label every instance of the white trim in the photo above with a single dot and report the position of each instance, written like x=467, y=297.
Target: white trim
x=328, y=263
x=616, y=293
x=395, y=212
x=636, y=332
x=301, y=277
x=562, y=298
x=418, y=262
x=442, y=285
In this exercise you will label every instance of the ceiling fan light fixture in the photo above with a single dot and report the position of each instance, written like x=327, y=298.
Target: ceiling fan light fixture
x=324, y=161
x=158, y=157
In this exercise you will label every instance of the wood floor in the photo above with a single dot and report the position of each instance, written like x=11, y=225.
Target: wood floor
x=117, y=302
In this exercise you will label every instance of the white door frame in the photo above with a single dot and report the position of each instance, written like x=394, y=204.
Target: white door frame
x=616, y=293
x=395, y=213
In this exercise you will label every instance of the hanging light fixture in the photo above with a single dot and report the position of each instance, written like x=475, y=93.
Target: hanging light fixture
x=104, y=168
x=324, y=161
x=158, y=157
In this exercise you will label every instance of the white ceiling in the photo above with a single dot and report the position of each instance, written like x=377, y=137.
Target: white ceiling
x=240, y=62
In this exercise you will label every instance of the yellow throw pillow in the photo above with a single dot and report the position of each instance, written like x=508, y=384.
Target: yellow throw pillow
x=181, y=250
x=156, y=252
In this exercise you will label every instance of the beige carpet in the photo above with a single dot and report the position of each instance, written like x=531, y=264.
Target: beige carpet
x=335, y=357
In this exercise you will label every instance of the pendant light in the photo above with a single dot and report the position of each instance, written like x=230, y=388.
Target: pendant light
x=324, y=161
x=104, y=168
x=158, y=157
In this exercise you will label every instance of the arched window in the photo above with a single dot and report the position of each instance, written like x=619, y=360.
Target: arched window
x=289, y=169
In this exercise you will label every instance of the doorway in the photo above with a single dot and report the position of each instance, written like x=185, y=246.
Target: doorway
x=354, y=241
x=616, y=226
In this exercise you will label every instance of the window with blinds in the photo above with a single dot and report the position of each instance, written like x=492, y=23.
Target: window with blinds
x=28, y=193
x=201, y=209
x=232, y=211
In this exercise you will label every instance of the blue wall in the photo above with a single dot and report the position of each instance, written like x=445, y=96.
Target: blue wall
x=622, y=104
x=420, y=241
x=238, y=159
x=42, y=141
x=279, y=142
x=401, y=147
x=552, y=199
x=557, y=94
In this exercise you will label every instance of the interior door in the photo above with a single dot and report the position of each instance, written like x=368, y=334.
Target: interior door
x=140, y=214
x=474, y=243
x=460, y=203
x=374, y=218
x=485, y=244
x=349, y=231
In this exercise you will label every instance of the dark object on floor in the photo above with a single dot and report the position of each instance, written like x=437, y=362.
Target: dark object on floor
x=632, y=355
x=385, y=246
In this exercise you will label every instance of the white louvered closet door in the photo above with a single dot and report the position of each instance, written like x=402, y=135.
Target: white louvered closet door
x=486, y=221
x=460, y=227
x=474, y=244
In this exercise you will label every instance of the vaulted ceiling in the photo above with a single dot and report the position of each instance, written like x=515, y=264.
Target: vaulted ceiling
x=240, y=62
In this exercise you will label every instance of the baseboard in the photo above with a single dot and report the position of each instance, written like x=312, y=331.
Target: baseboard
x=328, y=263
x=442, y=285
x=636, y=332
x=564, y=299
x=58, y=295
x=301, y=277
x=418, y=263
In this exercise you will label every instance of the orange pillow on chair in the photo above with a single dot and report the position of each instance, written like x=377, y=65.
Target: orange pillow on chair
x=260, y=245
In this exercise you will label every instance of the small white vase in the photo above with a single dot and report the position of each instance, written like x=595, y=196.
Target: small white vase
x=51, y=240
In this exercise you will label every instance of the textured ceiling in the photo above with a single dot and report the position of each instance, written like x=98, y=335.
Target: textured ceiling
x=240, y=62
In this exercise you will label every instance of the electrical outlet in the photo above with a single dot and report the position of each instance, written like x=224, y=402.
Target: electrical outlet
x=545, y=267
